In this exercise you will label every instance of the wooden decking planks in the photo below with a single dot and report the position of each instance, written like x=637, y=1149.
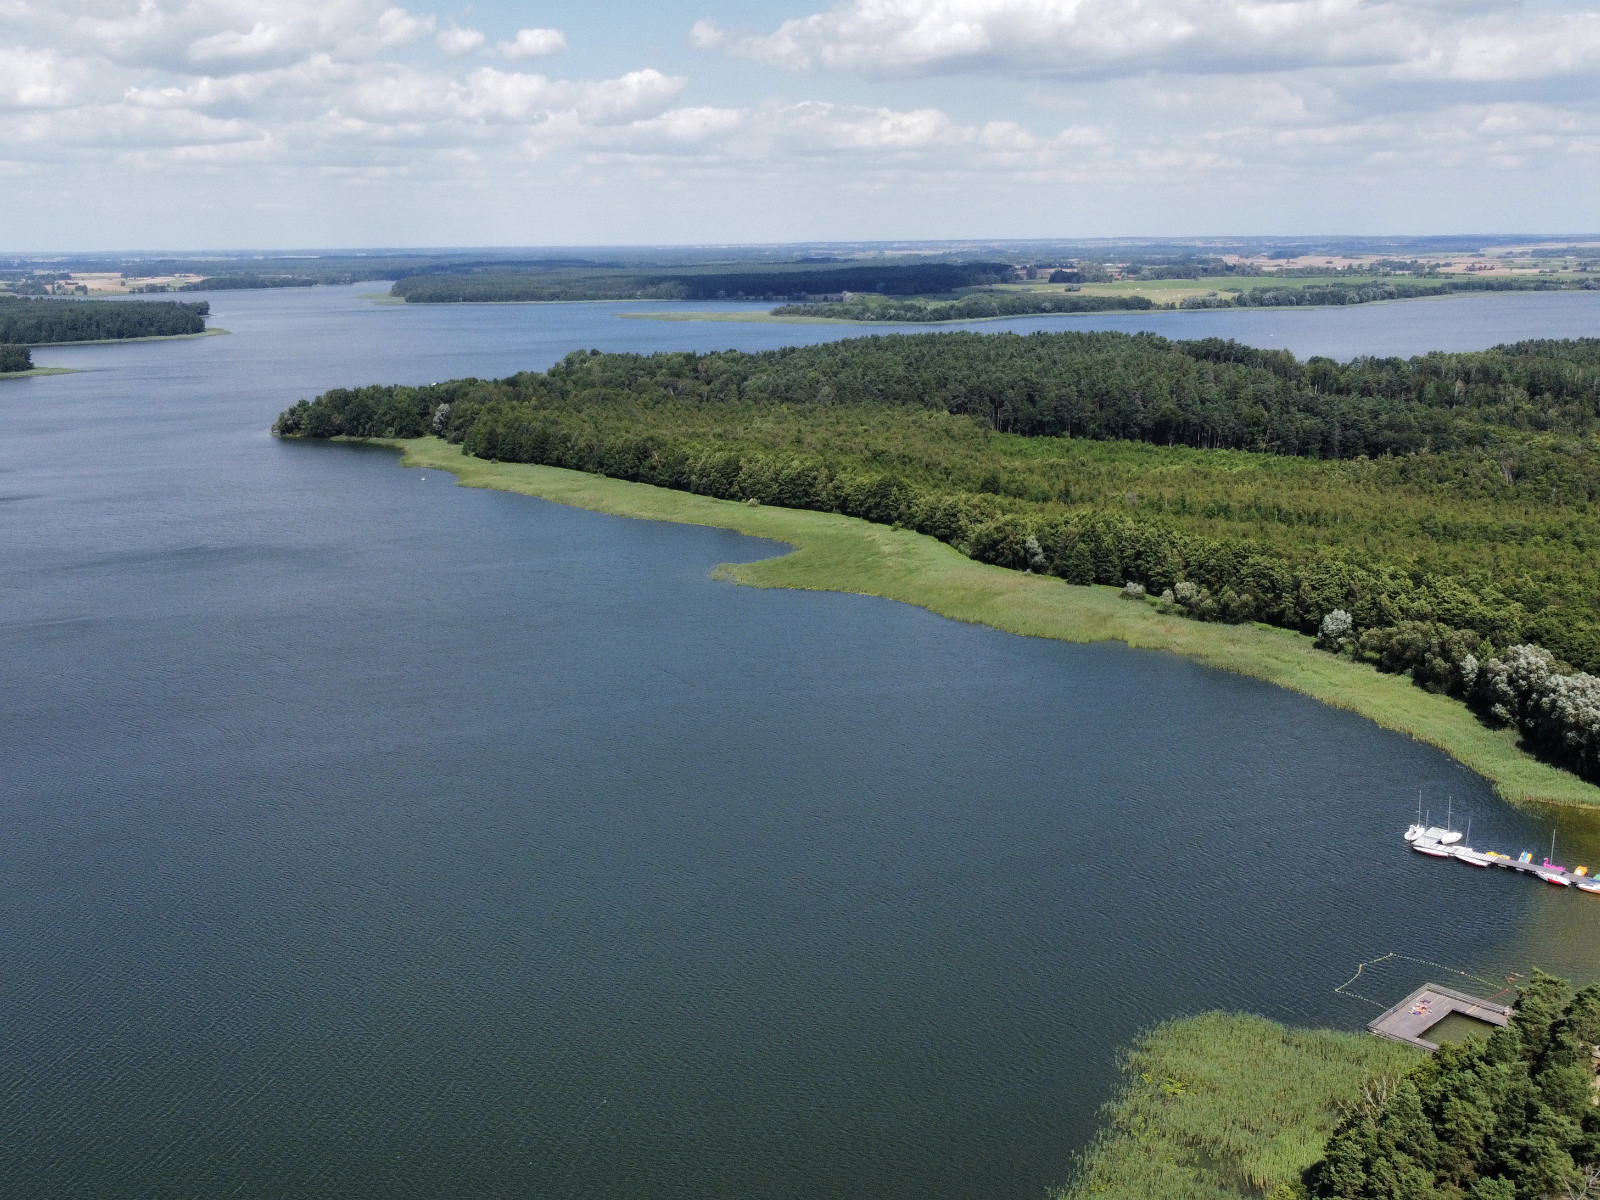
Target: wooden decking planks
x=1403, y=1024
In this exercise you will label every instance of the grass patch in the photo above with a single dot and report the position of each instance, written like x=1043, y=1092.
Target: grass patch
x=759, y=318
x=161, y=337
x=29, y=374
x=1221, y=1105
x=845, y=554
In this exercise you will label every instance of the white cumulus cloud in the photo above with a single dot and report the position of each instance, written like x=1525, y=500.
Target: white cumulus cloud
x=1099, y=38
x=455, y=40
x=533, y=43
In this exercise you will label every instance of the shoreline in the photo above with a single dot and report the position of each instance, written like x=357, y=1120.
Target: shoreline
x=156, y=337
x=35, y=371
x=845, y=554
x=768, y=318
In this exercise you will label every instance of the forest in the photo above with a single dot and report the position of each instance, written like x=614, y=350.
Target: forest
x=976, y=306
x=983, y=304
x=14, y=359
x=1371, y=291
x=756, y=282
x=1508, y=1117
x=1435, y=516
x=37, y=322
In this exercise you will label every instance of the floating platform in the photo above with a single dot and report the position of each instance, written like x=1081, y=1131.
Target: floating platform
x=1419, y=1012
x=1423, y=842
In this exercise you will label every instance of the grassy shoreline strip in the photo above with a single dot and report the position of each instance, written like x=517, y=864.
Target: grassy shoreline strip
x=30, y=373
x=160, y=337
x=846, y=554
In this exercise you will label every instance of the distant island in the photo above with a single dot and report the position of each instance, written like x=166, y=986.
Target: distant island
x=1430, y=521
x=39, y=322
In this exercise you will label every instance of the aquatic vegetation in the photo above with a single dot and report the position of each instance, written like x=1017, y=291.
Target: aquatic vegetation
x=1223, y=1106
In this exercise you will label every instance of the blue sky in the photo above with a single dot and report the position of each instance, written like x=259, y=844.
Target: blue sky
x=188, y=124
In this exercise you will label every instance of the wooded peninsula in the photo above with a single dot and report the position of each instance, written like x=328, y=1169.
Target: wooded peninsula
x=1433, y=517
x=39, y=322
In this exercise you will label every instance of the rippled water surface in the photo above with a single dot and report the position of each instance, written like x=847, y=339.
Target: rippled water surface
x=365, y=836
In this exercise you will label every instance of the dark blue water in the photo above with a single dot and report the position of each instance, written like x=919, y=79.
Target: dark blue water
x=366, y=836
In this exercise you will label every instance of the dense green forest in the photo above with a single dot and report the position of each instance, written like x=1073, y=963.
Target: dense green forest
x=14, y=359
x=756, y=282
x=1372, y=291
x=985, y=304
x=253, y=280
x=1509, y=1117
x=976, y=306
x=1438, y=516
x=1225, y=1106
x=35, y=322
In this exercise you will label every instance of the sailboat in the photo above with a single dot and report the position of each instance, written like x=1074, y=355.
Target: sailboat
x=1424, y=838
x=1552, y=872
x=1424, y=832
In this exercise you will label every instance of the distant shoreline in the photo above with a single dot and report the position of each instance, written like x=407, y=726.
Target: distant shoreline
x=768, y=318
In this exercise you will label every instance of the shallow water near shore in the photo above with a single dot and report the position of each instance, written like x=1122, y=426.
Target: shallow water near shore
x=366, y=836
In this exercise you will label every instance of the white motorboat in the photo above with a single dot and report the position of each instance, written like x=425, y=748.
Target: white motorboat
x=1430, y=847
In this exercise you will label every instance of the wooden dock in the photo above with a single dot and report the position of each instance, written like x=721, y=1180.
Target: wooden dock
x=1578, y=878
x=1424, y=1008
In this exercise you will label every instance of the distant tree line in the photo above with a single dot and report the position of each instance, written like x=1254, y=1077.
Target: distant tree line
x=1211, y=394
x=15, y=358
x=902, y=430
x=36, y=322
x=889, y=279
x=250, y=280
x=1371, y=291
x=974, y=307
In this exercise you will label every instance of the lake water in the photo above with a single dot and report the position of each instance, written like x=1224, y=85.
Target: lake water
x=366, y=836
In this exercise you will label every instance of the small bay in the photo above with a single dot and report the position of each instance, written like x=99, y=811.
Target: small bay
x=366, y=836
